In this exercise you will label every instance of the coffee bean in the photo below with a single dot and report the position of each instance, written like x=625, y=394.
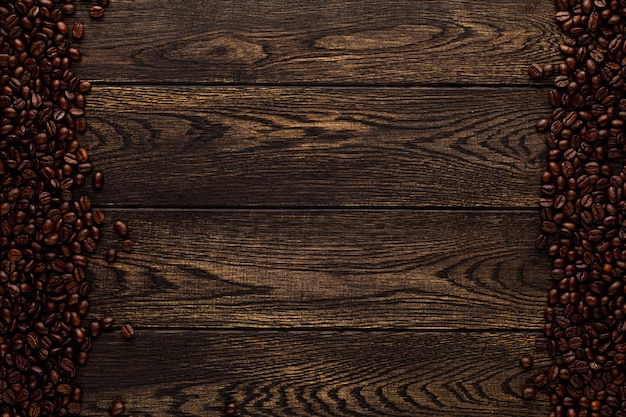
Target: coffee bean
x=542, y=125
x=127, y=331
x=230, y=408
x=78, y=30
x=117, y=409
x=127, y=245
x=96, y=12
x=111, y=255
x=535, y=71
x=528, y=393
x=121, y=228
x=526, y=362
x=98, y=180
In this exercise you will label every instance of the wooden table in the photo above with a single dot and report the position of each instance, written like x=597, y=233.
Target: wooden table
x=333, y=204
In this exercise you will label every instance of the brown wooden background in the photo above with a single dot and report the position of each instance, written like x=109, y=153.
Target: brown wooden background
x=334, y=204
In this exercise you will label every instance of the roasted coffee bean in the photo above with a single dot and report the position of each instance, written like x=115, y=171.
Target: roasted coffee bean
x=107, y=322
x=110, y=255
x=78, y=30
x=127, y=331
x=127, y=245
x=526, y=362
x=528, y=393
x=230, y=408
x=117, y=409
x=121, y=228
x=535, y=70
x=96, y=12
x=98, y=180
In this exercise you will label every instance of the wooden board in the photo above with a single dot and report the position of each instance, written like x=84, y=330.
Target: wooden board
x=325, y=269
x=174, y=373
x=351, y=42
x=319, y=147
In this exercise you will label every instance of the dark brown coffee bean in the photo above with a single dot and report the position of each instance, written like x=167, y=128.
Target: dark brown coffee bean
x=78, y=30
x=127, y=245
x=96, y=12
x=542, y=125
x=535, y=70
x=127, y=331
x=526, y=362
x=528, y=393
x=230, y=408
x=98, y=180
x=121, y=228
x=117, y=409
x=110, y=255
x=107, y=323
x=98, y=216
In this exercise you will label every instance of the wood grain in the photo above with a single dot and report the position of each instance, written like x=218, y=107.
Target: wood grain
x=191, y=373
x=317, y=147
x=324, y=42
x=325, y=269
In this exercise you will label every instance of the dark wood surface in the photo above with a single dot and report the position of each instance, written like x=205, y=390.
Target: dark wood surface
x=333, y=204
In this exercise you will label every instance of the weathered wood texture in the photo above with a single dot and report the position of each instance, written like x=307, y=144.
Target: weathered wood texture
x=325, y=269
x=321, y=42
x=417, y=147
x=333, y=205
x=171, y=373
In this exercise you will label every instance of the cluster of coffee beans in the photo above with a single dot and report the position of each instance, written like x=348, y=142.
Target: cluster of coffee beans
x=46, y=230
x=583, y=212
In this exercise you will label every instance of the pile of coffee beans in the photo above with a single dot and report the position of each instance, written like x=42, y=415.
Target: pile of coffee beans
x=583, y=213
x=47, y=231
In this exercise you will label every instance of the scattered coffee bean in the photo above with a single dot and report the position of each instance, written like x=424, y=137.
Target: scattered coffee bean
x=535, y=71
x=121, y=228
x=127, y=331
x=117, y=409
x=528, y=393
x=96, y=12
x=98, y=180
x=78, y=30
x=127, y=245
x=107, y=322
x=230, y=408
x=111, y=255
x=526, y=362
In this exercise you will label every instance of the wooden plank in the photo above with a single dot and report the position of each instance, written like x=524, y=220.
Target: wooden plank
x=324, y=269
x=304, y=147
x=191, y=373
x=328, y=42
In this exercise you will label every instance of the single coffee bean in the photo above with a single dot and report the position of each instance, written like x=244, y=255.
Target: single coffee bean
x=127, y=331
x=98, y=180
x=117, y=409
x=111, y=255
x=107, y=322
x=526, y=362
x=121, y=228
x=230, y=408
x=96, y=12
x=78, y=30
x=535, y=70
x=542, y=125
x=127, y=245
x=528, y=393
